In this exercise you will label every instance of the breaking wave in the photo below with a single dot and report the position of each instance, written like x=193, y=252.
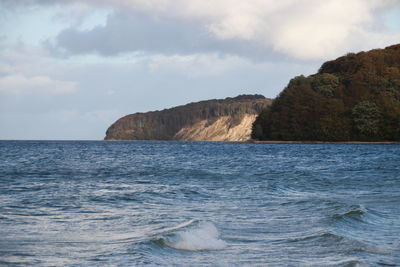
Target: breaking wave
x=197, y=236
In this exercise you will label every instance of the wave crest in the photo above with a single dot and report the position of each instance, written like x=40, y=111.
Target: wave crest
x=354, y=212
x=203, y=236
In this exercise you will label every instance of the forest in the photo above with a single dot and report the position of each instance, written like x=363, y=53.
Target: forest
x=353, y=98
x=164, y=124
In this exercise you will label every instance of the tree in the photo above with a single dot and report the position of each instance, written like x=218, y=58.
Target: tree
x=366, y=117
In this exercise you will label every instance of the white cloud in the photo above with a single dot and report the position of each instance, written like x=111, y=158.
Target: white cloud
x=140, y=55
x=27, y=70
x=19, y=84
x=196, y=65
x=29, y=60
x=297, y=29
x=302, y=29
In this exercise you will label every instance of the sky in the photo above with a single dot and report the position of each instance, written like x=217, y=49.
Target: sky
x=69, y=68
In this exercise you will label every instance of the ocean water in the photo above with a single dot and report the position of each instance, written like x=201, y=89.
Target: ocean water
x=198, y=204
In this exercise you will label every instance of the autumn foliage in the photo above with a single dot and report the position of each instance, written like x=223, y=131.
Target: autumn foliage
x=353, y=98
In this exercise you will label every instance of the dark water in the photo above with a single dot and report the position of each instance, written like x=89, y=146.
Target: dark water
x=198, y=204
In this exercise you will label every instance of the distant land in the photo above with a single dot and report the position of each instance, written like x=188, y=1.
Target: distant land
x=228, y=119
x=353, y=98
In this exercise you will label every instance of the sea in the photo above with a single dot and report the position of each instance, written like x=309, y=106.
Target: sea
x=134, y=203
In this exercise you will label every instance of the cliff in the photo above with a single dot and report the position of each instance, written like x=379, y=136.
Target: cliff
x=353, y=98
x=228, y=119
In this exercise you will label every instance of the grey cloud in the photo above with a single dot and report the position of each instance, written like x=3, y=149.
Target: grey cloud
x=131, y=32
x=137, y=32
x=260, y=30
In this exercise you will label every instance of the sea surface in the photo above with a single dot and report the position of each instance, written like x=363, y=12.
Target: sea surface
x=95, y=203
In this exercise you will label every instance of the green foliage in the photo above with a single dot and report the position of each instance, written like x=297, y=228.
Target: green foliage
x=325, y=84
x=355, y=97
x=366, y=117
x=389, y=85
x=298, y=81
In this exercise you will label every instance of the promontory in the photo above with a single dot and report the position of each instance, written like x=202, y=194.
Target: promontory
x=228, y=119
x=353, y=98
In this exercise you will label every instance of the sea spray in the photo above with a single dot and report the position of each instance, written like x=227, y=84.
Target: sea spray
x=204, y=236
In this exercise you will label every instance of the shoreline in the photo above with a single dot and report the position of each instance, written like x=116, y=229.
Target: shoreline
x=233, y=142
x=327, y=142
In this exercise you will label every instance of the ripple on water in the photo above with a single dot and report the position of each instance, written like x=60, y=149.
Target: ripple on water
x=122, y=203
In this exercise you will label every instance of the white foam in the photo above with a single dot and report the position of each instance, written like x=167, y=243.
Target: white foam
x=182, y=225
x=204, y=236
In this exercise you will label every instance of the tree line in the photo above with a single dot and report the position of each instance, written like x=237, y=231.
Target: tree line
x=353, y=98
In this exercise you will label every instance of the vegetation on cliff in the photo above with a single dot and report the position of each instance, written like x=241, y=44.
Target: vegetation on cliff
x=166, y=124
x=355, y=97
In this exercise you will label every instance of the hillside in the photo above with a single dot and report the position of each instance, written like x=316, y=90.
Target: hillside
x=228, y=119
x=353, y=98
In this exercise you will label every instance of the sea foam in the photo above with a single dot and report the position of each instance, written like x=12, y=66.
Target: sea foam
x=204, y=236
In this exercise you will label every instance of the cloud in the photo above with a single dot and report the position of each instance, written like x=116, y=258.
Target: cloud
x=258, y=29
x=127, y=32
x=196, y=65
x=19, y=84
x=138, y=55
x=39, y=88
x=26, y=70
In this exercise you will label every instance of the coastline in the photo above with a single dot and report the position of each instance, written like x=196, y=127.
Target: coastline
x=327, y=142
x=271, y=142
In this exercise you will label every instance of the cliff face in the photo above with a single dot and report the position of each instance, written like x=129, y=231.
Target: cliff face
x=228, y=119
x=225, y=128
x=353, y=98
